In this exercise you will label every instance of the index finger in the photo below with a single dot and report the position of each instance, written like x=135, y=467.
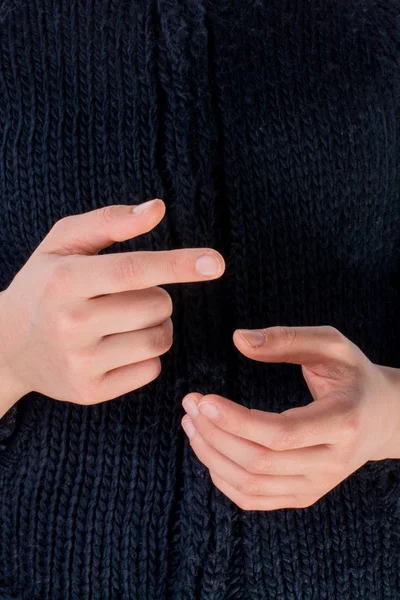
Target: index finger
x=120, y=272
x=318, y=423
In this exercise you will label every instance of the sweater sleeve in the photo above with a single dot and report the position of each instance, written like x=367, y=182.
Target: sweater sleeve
x=7, y=426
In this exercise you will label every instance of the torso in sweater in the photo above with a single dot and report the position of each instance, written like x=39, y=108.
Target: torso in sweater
x=271, y=131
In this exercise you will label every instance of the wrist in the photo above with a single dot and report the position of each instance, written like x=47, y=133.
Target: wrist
x=10, y=390
x=392, y=448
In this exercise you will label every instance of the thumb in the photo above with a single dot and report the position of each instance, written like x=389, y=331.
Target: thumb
x=324, y=349
x=90, y=232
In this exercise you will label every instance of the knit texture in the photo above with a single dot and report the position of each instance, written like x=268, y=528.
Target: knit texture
x=271, y=129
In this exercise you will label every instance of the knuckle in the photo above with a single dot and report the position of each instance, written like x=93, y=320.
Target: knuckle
x=239, y=485
x=162, y=337
x=351, y=424
x=154, y=369
x=288, y=334
x=262, y=464
x=345, y=355
x=333, y=333
x=344, y=350
x=106, y=213
x=248, y=485
x=62, y=225
x=127, y=268
x=61, y=277
x=63, y=326
x=147, y=372
x=348, y=357
x=162, y=303
x=70, y=323
x=173, y=266
x=157, y=367
x=253, y=487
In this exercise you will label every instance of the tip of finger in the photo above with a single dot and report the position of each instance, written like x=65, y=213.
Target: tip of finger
x=195, y=395
x=236, y=335
x=249, y=340
x=158, y=209
x=160, y=204
x=221, y=260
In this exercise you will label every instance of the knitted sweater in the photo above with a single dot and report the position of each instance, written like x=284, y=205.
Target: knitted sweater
x=271, y=130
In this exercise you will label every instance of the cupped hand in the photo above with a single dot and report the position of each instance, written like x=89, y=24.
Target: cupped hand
x=84, y=327
x=267, y=461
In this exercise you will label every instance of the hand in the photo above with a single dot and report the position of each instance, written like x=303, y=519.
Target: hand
x=84, y=327
x=267, y=461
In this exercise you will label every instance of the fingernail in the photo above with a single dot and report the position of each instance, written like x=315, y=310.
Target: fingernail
x=188, y=427
x=207, y=264
x=209, y=410
x=252, y=337
x=190, y=405
x=140, y=209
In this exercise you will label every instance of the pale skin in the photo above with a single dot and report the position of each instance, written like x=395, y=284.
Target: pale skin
x=87, y=328
x=268, y=461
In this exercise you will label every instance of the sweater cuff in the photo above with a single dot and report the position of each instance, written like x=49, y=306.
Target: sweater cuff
x=7, y=426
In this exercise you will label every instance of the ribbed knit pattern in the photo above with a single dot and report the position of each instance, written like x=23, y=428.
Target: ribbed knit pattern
x=271, y=129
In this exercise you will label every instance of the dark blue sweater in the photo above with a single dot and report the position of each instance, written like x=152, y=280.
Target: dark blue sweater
x=271, y=129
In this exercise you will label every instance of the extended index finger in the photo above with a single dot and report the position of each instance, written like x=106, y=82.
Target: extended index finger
x=120, y=272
